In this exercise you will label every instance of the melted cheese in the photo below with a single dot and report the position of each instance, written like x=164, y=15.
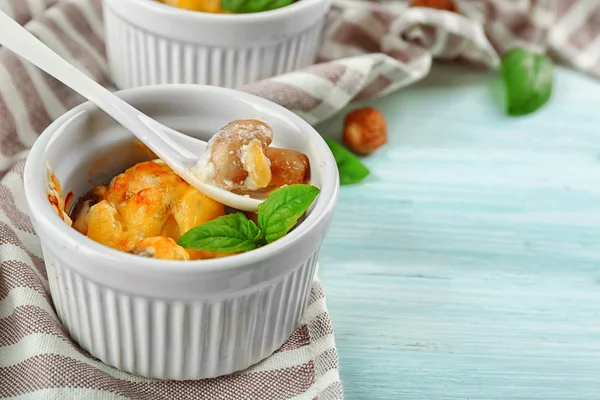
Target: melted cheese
x=211, y=6
x=145, y=210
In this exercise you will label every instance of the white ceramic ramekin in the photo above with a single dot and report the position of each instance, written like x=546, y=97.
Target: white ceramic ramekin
x=174, y=319
x=152, y=43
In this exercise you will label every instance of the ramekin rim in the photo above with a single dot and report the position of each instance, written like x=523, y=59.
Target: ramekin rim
x=47, y=216
x=200, y=16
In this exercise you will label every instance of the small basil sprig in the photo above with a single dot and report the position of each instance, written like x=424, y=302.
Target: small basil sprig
x=349, y=166
x=235, y=232
x=528, y=80
x=252, y=6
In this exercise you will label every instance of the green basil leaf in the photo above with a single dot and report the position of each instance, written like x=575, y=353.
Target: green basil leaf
x=349, y=166
x=251, y=6
x=259, y=236
x=227, y=234
x=528, y=81
x=282, y=209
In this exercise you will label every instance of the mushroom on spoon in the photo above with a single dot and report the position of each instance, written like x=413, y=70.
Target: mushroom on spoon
x=157, y=137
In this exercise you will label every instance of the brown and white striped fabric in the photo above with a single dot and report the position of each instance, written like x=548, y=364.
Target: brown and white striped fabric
x=370, y=49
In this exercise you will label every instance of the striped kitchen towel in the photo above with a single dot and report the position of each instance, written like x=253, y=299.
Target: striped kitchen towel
x=370, y=49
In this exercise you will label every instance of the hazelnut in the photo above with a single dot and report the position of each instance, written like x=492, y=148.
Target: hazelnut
x=365, y=130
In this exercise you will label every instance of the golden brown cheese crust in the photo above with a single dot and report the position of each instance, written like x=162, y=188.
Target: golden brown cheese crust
x=210, y=6
x=144, y=211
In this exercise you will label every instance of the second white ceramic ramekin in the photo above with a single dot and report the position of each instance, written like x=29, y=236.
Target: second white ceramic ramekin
x=174, y=319
x=151, y=43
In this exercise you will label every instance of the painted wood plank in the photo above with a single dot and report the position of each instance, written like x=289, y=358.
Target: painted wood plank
x=468, y=266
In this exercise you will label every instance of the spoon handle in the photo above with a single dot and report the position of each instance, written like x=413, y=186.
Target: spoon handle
x=152, y=133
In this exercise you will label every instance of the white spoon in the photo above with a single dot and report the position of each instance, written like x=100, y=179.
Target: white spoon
x=150, y=132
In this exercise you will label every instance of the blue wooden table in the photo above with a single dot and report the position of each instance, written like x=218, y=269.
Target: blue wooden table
x=468, y=266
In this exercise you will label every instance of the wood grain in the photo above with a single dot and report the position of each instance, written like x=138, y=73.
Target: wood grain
x=468, y=266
